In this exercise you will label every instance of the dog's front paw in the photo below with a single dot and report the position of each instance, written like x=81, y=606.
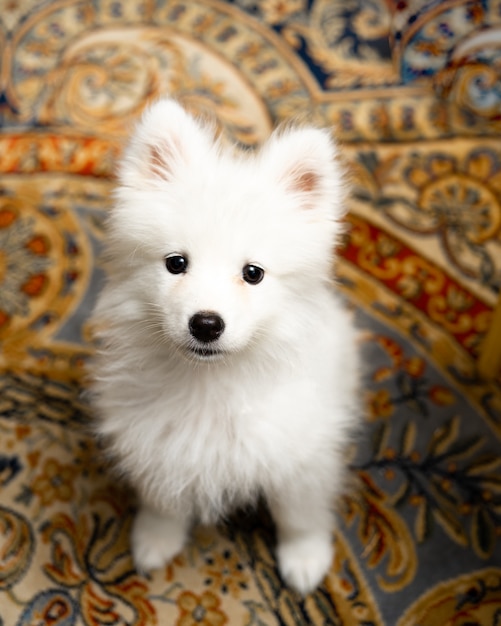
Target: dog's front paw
x=156, y=539
x=304, y=560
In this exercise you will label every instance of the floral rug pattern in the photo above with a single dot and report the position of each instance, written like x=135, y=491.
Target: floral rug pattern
x=412, y=91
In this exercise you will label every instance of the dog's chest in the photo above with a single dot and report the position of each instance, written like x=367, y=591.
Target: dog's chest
x=218, y=444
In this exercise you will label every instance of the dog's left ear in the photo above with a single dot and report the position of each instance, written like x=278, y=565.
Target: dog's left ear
x=167, y=140
x=305, y=162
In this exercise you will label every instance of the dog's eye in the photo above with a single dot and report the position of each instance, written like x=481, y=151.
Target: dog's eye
x=176, y=264
x=252, y=274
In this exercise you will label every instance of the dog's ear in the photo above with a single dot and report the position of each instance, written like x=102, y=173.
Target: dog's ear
x=166, y=139
x=305, y=162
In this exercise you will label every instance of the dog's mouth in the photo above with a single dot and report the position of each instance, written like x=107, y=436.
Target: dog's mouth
x=205, y=352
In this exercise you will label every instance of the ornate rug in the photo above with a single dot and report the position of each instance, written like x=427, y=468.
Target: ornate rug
x=412, y=91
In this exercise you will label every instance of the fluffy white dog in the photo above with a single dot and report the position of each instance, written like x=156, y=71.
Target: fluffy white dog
x=227, y=369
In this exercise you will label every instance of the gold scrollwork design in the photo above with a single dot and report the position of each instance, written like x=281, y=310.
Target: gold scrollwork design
x=16, y=547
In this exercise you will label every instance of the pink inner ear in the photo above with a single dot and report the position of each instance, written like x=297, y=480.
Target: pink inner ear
x=306, y=182
x=303, y=181
x=157, y=163
x=162, y=159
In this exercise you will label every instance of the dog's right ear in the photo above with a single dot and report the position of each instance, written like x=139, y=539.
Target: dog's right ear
x=166, y=139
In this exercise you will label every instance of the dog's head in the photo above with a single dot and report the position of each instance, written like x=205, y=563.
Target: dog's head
x=213, y=248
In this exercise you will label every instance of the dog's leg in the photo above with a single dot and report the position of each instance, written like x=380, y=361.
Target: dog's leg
x=304, y=525
x=156, y=539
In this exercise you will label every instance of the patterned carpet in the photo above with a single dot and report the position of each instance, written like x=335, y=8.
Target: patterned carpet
x=413, y=91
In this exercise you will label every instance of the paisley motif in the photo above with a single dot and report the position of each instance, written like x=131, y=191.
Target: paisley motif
x=46, y=261
x=452, y=196
x=474, y=600
x=54, y=607
x=17, y=544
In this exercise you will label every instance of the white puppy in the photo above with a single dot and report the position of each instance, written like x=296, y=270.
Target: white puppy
x=227, y=367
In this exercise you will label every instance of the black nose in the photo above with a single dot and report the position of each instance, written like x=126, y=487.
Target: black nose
x=206, y=326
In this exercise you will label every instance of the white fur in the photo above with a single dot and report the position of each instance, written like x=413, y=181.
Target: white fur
x=273, y=412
